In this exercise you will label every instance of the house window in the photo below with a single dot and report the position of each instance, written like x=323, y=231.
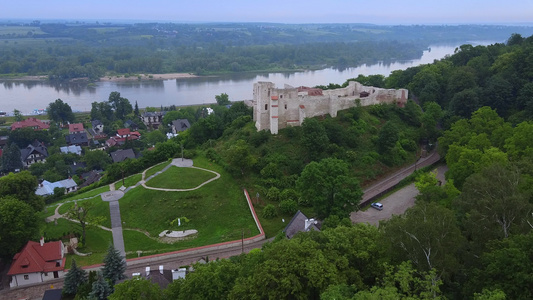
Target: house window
x=58, y=264
x=45, y=273
x=26, y=277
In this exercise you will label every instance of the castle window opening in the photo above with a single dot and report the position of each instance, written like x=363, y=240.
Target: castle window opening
x=266, y=106
x=281, y=96
x=285, y=106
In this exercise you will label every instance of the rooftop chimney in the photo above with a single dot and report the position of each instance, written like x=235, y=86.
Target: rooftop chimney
x=147, y=271
x=161, y=270
x=42, y=241
x=308, y=223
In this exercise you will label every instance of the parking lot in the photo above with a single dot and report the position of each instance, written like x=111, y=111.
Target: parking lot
x=395, y=204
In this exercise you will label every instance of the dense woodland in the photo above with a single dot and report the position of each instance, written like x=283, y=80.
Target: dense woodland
x=467, y=239
x=80, y=50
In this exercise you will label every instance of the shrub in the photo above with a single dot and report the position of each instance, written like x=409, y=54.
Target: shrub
x=269, y=211
x=288, y=194
x=273, y=194
x=288, y=206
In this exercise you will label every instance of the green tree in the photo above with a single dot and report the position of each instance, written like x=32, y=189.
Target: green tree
x=428, y=236
x=387, y=138
x=18, y=224
x=114, y=265
x=137, y=288
x=11, y=159
x=293, y=269
x=222, y=99
x=136, y=110
x=18, y=115
x=101, y=289
x=96, y=159
x=81, y=213
x=154, y=137
x=21, y=186
x=121, y=106
x=239, y=156
x=60, y=112
x=329, y=187
x=75, y=277
x=493, y=204
x=314, y=138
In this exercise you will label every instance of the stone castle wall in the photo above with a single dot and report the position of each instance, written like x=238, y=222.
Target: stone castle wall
x=276, y=108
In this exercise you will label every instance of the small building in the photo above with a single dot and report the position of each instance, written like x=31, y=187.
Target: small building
x=121, y=155
x=35, y=152
x=34, y=123
x=71, y=149
x=98, y=126
x=90, y=178
x=131, y=125
x=300, y=223
x=46, y=188
x=180, y=125
x=123, y=135
x=161, y=277
x=37, y=262
x=75, y=128
x=153, y=119
x=79, y=139
x=54, y=294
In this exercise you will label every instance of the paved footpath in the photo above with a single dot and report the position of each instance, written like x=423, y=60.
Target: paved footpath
x=116, y=223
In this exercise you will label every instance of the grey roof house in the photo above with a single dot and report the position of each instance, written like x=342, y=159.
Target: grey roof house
x=121, y=155
x=180, y=125
x=35, y=152
x=300, y=223
x=47, y=188
x=79, y=139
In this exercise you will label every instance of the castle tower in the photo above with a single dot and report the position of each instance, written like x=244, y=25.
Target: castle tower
x=262, y=96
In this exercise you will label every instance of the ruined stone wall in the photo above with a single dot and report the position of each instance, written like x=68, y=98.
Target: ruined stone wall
x=276, y=108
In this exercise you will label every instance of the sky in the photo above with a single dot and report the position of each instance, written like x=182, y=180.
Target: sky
x=277, y=11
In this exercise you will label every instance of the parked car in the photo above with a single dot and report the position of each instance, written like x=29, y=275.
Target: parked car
x=377, y=205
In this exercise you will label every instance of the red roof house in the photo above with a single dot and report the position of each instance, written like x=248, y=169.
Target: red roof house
x=34, y=123
x=37, y=262
x=76, y=128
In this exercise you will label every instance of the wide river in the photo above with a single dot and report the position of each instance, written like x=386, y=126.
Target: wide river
x=27, y=96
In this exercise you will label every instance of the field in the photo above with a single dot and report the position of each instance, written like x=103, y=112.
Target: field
x=20, y=30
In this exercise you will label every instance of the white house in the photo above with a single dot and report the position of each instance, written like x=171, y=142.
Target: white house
x=37, y=262
x=47, y=187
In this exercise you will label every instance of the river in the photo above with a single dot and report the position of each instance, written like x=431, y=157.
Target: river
x=28, y=96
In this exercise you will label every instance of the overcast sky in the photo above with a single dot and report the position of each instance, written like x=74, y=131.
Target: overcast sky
x=277, y=11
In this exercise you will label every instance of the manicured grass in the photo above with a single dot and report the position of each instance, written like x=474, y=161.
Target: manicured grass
x=180, y=178
x=218, y=211
x=156, y=169
x=98, y=241
x=129, y=181
x=47, y=212
x=100, y=208
x=88, y=194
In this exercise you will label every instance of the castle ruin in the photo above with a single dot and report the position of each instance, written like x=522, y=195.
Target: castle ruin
x=276, y=108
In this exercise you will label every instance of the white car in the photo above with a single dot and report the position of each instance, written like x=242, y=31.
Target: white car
x=377, y=205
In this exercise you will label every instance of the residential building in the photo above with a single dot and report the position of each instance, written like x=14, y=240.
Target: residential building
x=180, y=125
x=79, y=139
x=131, y=125
x=123, y=135
x=121, y=155
x=46, y=188
x=35, y=152
x=34, y=123
x=75, y=128
x=98, y=126
x=37, y=262
x=300, y=223
x=71, y=149
x=153, y=119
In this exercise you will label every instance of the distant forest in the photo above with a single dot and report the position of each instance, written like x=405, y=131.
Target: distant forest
x=77, y=50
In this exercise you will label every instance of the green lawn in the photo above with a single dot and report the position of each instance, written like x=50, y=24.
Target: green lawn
x=180, y=178
x=88, y=194
x=100, y=208
x=218, y=211
x=97, y=241
x=129, y=181
x=156, y=169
